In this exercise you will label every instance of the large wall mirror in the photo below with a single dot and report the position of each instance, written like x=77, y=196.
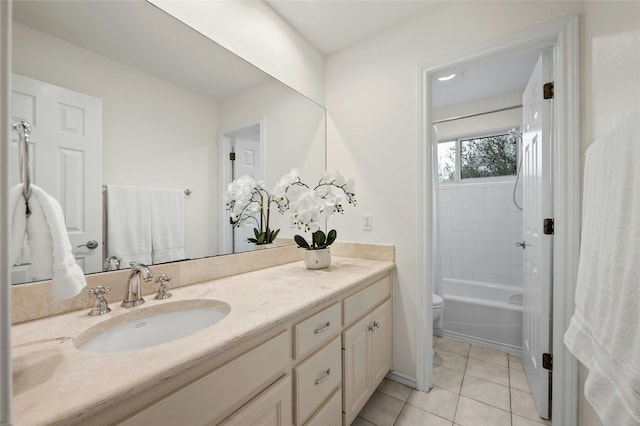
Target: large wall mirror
x=120, y=94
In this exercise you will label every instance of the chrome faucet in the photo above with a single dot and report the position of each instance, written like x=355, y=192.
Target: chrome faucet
x=112, y=261
x=133, y=292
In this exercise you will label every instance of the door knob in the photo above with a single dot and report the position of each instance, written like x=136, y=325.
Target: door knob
x=521, y=244
x=91, y=244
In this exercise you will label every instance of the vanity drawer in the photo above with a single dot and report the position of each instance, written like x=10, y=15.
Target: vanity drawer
x=316, y=378
x=316, y=330
x=224, y=389
x=330, y=414
x=271, y=407
x=365, y=300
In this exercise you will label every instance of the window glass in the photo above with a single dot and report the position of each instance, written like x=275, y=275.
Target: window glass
x=447, y=161
x=488, y=156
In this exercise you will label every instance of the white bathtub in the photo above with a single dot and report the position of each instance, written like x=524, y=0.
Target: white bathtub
x=485, y=313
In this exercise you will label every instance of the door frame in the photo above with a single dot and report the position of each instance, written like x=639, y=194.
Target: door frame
x=562, y=36
x=225, y=233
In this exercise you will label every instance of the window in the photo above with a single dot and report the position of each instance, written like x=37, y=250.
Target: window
x=477, y=157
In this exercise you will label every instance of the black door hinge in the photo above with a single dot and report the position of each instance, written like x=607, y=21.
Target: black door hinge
x=547, y=361
x=547, y=90
x=232, y=156
x=548, y=226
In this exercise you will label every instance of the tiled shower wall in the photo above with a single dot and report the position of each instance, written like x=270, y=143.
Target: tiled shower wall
x=479, y=226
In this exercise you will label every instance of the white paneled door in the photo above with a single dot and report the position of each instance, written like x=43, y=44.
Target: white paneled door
x=247, y=162
x=537, y=203
x=65, y=153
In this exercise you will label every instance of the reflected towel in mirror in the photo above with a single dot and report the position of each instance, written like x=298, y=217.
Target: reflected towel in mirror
x=47, y=239
x=167, y=225
x=129, y=224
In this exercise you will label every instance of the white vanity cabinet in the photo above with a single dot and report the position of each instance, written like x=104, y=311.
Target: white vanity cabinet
x=319, y=375
x=210, y=398
x=319, y=370
x=367, y=345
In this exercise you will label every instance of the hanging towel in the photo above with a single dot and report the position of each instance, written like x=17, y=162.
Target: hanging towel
x=129, y=224
x=167, y=225
x=19, y=246
x=604, y=332
x=50, y=250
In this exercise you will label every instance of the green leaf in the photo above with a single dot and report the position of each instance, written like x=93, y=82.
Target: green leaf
x=301, y=242
x=319, y=238
x=255, y=231
x=252, y=240
x=274, y=234
x=331, y=237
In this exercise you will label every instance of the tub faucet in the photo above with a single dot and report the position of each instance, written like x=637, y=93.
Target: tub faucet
x=133, y=292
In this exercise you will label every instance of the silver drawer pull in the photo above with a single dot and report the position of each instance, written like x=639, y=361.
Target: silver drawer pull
x=320, y=330
x=323, y=378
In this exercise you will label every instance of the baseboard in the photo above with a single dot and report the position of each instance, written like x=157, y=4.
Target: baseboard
x=516, y=350
x=402, y=379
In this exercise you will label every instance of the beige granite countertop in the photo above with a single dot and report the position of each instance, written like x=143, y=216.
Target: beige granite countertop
x=56, y=383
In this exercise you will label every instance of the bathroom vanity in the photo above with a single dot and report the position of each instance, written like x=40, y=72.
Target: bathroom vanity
x=296, y=347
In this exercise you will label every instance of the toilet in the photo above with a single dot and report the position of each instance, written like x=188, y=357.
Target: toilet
x=438, y=306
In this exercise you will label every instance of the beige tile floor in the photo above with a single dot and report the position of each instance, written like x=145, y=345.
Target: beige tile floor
x=473, y=386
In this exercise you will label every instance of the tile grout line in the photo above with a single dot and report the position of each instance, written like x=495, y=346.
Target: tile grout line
x=509, y=377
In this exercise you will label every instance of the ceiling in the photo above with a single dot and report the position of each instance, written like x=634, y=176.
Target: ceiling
x=158, y=46
x=332, y=25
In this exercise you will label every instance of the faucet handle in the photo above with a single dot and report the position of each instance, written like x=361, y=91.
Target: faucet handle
x=100, y=306
x=99, y=290
x=163, y=280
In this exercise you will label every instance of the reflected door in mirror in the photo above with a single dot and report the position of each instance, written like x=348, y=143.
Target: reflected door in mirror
x=65, y=153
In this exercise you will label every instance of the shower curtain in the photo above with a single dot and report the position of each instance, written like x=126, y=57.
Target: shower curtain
x=436, y=270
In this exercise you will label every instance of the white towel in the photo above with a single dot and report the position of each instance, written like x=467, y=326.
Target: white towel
x=167, y=225
x=129, y=224
x=50, y=250
x=19, y=247
x=604, y=333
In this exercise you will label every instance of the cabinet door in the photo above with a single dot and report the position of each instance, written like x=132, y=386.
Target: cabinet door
x=330, y=414
x=381, y=342
x=271, y=408
x=357, y=385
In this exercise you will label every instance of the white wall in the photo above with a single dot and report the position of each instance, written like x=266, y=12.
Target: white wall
x=155, y=133
x=253, y=31
x=372, y=102
x=610, y=87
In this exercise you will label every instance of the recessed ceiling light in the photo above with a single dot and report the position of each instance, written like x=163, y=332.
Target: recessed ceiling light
x=447, y=77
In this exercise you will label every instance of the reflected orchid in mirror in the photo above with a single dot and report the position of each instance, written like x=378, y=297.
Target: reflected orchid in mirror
x=247, y=199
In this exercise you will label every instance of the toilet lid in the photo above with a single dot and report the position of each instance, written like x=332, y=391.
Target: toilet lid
x=437, y=301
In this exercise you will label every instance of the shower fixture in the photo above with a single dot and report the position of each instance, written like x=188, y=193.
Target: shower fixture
x=517, y=134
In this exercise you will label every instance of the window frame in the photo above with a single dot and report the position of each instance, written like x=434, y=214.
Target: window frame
x=458, y=180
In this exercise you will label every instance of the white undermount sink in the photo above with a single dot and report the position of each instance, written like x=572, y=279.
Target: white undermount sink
x=150, y=326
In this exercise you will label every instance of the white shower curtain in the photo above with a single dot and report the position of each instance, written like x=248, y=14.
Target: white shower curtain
x=436, y=271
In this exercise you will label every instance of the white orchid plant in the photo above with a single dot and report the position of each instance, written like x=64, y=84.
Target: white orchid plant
x=245, y=199
x=310, y=207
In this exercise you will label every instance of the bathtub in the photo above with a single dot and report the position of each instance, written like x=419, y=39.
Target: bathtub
x=478, y=312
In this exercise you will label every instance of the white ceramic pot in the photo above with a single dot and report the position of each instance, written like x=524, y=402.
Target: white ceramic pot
x=317, y=259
